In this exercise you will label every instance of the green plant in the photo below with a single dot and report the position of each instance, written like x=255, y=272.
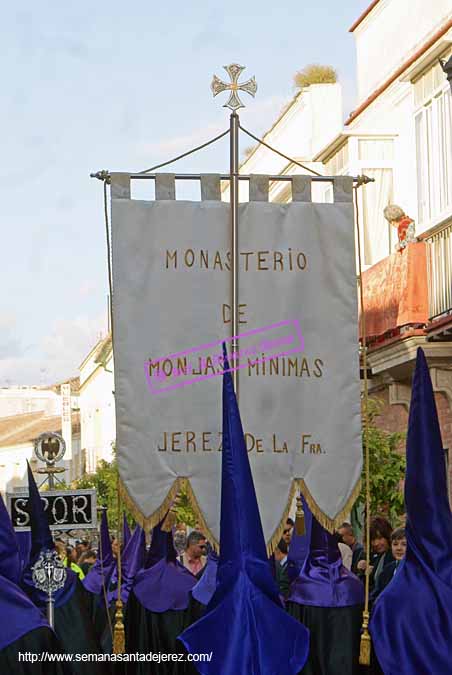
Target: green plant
x=105, y=481
x=387, y=469
x=314, y=74
x=184, y=511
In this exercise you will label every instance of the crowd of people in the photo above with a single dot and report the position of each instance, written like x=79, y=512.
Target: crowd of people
x=193, y=552
x=299, y=612
x=387, y=549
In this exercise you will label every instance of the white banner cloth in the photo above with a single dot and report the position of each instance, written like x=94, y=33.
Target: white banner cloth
x=171, y=293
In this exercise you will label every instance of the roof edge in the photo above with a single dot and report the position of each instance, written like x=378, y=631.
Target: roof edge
x=361, y=18
x=399, y=71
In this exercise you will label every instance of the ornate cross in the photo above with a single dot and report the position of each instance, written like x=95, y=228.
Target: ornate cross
x=234, y=71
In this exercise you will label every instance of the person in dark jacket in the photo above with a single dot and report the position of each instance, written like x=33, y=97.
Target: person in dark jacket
x=381, y=554
x=282, y=578
x=398, y=548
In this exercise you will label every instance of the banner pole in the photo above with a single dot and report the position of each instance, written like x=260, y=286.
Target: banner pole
x=234, y=103
x=234, y=206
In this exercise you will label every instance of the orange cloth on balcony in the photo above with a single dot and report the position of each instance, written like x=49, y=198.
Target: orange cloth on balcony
x=396, y=291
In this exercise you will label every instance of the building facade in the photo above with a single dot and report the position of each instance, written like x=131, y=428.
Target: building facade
x=97, y=407
x=401, y=136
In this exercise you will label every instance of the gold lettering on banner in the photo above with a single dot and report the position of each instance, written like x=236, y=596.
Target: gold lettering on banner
x=258, y=261
x=246, y=254
x=198, y=372
x=226, y=309
x=171, y=256
x=279, y=448
x=303, y=258
x=261, y=261
x=154, y=366
x=318, y=367
x=192, y=441
x=257, y=365
x=278, y=259
x=175, y=440
x=217, y=261
x=206, y=439
x=204, y=260
x=164, y=449
x=167, y=367
x=189, y=256
x=315, y=448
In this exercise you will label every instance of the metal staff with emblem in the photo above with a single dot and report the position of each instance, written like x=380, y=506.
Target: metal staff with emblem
x=234, y=103
x=49, y=575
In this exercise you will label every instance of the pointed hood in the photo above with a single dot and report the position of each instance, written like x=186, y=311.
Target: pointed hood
x=41, y=540
x=162, y=546
x=41, y=537
x=24, y=544
x=132, y=560
x=417, y=604
x=20, y=615
x=205, y=588
x=323, y=580
x=102, y=570
x=164, y=584
x=10, y=561
x=125, y=531
x=298, y=550
x=266, y=641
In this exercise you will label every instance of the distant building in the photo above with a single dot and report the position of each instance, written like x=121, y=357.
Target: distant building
x=400, y=134
x=97, y=406
x=17, y=437
x=25, y=413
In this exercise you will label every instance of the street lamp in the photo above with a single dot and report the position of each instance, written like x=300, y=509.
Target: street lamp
x=447, y=68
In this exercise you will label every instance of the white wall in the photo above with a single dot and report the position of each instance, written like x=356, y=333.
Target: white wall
x=312, y=118
x=18, y=400
x=13, y=465
x=97, y=412
x=390, y=34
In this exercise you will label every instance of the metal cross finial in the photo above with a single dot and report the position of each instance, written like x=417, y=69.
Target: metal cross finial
x=234, y=71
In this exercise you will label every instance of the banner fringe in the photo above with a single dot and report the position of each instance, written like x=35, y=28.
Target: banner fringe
x=277, y=534
x=182, y=484
x=330, y=524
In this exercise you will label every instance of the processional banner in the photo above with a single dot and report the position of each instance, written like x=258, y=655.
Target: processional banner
x=298, y=369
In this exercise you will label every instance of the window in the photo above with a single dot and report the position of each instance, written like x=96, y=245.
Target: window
x=433, y=123
x=337, y=165
x=378, y=239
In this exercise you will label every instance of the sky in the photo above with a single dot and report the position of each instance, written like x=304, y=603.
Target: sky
x=122, y=86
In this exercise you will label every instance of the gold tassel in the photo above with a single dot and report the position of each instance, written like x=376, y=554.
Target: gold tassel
x=300, y=527
x=119, y=639
x=366, y=642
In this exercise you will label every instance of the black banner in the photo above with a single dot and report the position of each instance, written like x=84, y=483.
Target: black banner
x=65, y=509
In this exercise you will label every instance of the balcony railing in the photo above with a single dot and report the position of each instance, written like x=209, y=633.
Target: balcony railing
x=439, y=261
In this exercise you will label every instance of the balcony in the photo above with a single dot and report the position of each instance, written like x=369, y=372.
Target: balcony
x=439, y=263
x=409, y=295
x=396, y=298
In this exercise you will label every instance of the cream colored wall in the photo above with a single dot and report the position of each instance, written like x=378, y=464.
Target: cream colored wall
x=390, y=34
x=314, y=116
x=19, y=400
x=97, y=412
